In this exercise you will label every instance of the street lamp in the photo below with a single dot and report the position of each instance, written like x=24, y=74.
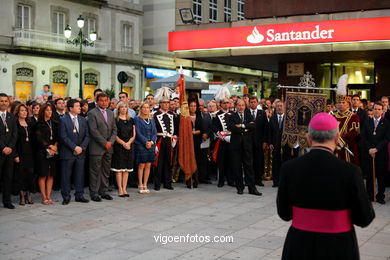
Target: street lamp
x=81, y=40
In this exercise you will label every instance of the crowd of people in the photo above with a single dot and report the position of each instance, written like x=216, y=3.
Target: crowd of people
x=72, y=143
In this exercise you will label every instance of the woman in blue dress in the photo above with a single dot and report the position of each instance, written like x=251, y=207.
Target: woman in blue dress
x=145, y=141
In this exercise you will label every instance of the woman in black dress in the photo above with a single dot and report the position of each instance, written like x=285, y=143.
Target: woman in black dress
x=123, y=157
x=196, y=119
x=46, y=140
x=145, y=153
x=24, y=163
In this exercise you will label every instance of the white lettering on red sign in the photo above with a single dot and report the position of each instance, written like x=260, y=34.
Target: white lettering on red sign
x=256, y=37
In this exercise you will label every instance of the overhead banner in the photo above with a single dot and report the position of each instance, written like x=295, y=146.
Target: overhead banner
x=351, y=30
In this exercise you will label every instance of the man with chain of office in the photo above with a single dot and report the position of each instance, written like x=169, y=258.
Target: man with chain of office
x=349, y=125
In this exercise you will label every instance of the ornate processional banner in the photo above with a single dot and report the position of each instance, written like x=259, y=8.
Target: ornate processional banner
x=300, y=108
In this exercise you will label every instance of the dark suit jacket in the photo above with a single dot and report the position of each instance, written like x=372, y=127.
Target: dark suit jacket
x=275, y=134
x=70, y=140
x=8, y=139
x=240, y=135
x=362, y=116
x=260, y=135
x=206, y=124
x=100, y=131
x=378, y=141
x=91, y=106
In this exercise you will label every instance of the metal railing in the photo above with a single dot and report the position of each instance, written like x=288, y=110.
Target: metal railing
x=53, y=41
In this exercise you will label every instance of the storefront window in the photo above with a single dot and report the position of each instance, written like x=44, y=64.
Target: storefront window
x=358, y=73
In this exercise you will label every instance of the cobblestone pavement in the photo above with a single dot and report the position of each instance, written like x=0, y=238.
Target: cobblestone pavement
x=127, y=228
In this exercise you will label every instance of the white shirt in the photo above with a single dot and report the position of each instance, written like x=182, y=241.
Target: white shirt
x=254, y=110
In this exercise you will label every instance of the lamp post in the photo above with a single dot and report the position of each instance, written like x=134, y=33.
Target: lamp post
x=81, y=40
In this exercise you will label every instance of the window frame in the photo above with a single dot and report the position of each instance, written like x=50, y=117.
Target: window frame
x=213, y=11
x=197, y=10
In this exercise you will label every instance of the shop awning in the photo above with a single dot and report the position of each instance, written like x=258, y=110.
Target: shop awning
x=171, y=82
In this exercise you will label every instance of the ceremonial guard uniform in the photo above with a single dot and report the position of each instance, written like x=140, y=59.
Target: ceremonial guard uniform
x=167, y=129
x=322, y=221
x=349, y=125
x=349, y=128
x=220, y=153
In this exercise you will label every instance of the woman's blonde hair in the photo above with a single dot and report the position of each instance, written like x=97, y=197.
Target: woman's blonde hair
x=140, y=109
x=119, y=106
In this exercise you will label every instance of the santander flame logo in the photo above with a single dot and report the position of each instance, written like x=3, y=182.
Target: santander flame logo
x=255, y=37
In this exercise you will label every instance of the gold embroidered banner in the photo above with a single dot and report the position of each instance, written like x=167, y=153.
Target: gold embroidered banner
x=300, y=108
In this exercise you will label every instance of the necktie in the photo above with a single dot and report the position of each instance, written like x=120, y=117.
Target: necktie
x=242, y=117
x=253, y=114
x=104, y=114
x=376, y=122
x=76, y=123
x=4, y=120
x=280, y=121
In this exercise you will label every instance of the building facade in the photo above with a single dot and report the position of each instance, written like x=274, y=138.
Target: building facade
x=162, y=17
x=34, y=51
x=267, y=39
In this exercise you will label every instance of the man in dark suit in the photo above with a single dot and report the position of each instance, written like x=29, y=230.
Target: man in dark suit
x=324, y=197
x=207, y=133
x=59, y=104
x=375, y=136
x=241, y=125
x=8, y=138
x=357, y=110
x=260, y=139
x=279, y=154
x=102, y=133
x=74, y=138
x=93, y=104
x=386, y=110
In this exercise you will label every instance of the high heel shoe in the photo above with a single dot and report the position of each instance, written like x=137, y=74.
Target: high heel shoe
x=22, y=201
x=140, y=189
x=146, y=190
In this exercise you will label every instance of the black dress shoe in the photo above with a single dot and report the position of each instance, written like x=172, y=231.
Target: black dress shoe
x=9, y=205
x=82, y=199
x=96, y=198
x=156, y=188
x=106, y=197
x=65, y=202
x=220, y=185
x=169, y=188
x=255, y=192
x=240, y=192
x=381, y=201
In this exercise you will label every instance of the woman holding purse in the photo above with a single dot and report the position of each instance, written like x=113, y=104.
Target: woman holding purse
x=46, y=140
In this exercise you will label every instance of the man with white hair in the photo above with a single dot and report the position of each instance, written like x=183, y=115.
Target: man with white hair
x=324, y=197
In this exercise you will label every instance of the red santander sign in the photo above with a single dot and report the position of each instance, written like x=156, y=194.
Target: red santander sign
x=352, y=30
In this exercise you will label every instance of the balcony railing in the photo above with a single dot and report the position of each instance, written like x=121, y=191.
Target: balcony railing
x=53, y=41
